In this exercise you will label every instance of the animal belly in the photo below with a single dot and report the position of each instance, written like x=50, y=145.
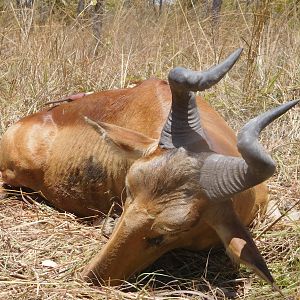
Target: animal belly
x=85, y=190
x=83, y=175
x=85, y=187
x=82, y=198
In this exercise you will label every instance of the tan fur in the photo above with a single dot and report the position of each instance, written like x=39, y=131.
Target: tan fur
x=83, y=171
x=42, y=150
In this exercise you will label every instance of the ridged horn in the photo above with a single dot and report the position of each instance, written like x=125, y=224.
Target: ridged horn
x=223, y=176
x=183, y=126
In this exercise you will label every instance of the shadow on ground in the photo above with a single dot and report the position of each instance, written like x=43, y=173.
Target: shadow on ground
x=183, y=270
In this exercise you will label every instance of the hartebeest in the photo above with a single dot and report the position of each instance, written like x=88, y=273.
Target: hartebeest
x=189, y=183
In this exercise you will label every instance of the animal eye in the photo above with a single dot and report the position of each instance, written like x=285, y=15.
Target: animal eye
x=155, y=241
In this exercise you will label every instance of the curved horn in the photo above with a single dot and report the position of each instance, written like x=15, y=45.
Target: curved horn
x=183, y=126
x=223, y=176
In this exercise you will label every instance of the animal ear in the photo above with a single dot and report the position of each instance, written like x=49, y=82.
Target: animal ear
x=238, y=243
x=123, y=140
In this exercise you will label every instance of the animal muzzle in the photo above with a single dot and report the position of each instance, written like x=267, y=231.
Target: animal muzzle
x=126, y=253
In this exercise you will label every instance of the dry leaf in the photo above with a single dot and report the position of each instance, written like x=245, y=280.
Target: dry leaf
x=49, y=263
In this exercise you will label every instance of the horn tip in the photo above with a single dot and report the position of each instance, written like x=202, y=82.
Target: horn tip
x=294, y=102
x=283, y=108
x=236, y=54
x=239, y=50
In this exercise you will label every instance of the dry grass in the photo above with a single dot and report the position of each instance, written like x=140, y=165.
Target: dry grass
x=42, y=63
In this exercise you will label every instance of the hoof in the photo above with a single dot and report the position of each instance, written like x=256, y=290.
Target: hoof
x=107, y=225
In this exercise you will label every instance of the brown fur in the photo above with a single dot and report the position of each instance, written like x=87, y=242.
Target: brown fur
x=81, y=171
x=46, y=150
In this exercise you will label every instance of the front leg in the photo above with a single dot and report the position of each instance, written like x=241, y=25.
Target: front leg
x=106, y=224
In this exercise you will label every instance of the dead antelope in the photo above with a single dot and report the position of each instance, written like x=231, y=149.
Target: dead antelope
x=189, y=181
